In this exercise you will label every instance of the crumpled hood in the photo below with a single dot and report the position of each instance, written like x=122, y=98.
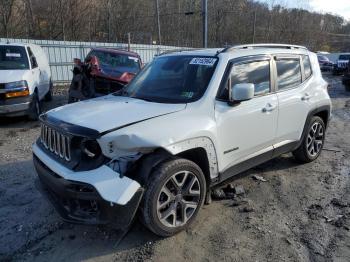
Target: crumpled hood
x=7, y=76
x=111, y=112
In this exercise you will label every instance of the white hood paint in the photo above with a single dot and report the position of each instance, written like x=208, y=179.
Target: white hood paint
x=110, y=112
x=7, y=76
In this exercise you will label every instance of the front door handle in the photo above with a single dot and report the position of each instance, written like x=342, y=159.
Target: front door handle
x=306, y=97
x=268, y=108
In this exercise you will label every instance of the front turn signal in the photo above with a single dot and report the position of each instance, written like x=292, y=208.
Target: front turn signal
x=17, y=93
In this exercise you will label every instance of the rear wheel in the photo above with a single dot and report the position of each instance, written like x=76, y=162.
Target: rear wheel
x=313, y=141
x=34, y=108
x=173, y=197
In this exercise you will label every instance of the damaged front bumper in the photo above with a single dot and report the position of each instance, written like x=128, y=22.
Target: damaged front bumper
x=98, y=196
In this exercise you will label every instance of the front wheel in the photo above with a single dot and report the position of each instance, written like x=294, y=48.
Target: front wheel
x=174, y=195
x=312, y=143
x=34, y=108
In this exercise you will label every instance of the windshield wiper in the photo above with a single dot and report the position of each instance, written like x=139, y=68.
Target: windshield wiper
x=142, y=98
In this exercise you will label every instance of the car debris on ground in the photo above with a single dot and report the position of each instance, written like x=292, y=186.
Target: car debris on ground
x=227, y=192
x=259, y=178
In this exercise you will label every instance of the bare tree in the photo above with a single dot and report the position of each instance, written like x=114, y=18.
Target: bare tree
x=6, y=9
x=229, y=22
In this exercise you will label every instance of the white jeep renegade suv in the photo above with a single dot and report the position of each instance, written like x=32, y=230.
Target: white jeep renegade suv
x=188, y=122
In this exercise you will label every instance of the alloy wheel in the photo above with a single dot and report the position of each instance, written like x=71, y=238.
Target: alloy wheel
x=314, y=140
x=178, y=199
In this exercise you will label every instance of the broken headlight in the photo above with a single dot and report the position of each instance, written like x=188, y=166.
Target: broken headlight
x=90, y=155
x=91, y=148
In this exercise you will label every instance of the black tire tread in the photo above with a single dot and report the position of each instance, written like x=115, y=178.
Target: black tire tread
x=32, y=114
x=49, y=96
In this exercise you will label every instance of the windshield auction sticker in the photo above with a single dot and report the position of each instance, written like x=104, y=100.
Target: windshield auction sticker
x=205, y=61
x=13, y=55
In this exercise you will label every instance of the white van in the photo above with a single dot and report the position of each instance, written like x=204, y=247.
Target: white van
x=25, y=79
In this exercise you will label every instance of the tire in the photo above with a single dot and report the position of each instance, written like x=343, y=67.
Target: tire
x=161, y=198
x=313, y=141
x=34, y=108
x=49, y=94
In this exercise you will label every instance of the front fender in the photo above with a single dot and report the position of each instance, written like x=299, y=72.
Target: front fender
x=198, y=142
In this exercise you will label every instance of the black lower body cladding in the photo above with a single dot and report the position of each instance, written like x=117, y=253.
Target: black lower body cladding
x=80, y=203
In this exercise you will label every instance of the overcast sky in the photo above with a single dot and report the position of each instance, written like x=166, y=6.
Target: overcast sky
x=339, y=7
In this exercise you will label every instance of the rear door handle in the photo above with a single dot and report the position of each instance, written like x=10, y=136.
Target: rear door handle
x=268, y=108
x=306, y=97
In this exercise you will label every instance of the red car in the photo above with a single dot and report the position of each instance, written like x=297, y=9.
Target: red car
x=104, y=71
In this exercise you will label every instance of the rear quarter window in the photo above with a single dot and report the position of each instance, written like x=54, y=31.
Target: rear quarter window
x=307, y=66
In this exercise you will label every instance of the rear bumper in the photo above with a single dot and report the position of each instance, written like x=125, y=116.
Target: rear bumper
x=83, y=203
x=14, y=106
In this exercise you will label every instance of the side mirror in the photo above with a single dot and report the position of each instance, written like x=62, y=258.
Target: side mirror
x=241, y=92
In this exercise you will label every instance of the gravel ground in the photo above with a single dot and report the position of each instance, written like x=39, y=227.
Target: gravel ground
x=302, y=212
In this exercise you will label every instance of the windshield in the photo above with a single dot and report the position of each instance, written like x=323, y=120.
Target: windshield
x=13, y=58
x=344, y=57
x=121, y=63
x=172, y=79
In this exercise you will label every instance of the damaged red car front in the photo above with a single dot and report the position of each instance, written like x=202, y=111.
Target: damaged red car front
x=104, y=71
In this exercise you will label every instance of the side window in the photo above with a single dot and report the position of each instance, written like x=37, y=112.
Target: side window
x=257, y=73
x=307, y=66
x=288, y=73
x=32, y=59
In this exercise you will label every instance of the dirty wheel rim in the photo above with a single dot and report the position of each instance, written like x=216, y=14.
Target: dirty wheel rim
x=315, y=139
x=178, y=199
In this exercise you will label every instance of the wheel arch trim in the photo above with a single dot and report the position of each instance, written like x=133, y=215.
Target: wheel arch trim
x=314, y=112
x=199, y=142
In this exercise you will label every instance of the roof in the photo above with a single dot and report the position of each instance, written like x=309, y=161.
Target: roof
x=116, y=51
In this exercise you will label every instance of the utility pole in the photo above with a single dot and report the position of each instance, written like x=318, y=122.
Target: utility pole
x=158, y=22
x=205, y=22
x=109, y=19
x=129, y=41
